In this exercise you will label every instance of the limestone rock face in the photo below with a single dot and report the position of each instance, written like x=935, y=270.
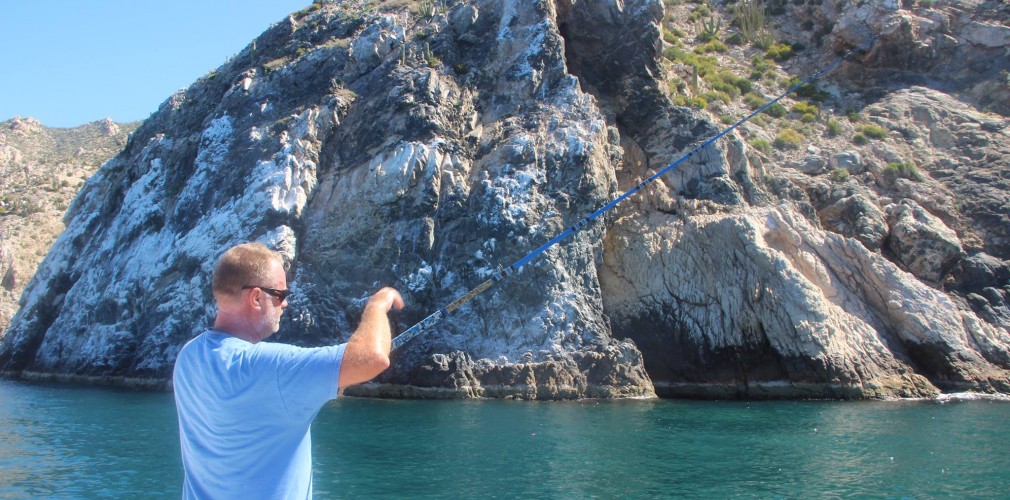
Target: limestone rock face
x=965, y=153
x=963, y=45
x=378, y=148
x=985, y=281
x=801, y=312
x=857, y=216
x=921, y=242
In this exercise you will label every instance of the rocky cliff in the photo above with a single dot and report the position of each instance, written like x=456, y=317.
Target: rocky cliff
x=41, y=169
x=852, y=244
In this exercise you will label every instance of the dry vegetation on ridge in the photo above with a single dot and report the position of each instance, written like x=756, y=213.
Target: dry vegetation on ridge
x=730, y=61
x=41, y=170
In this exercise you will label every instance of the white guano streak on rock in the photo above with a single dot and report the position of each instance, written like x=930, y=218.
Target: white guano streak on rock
x=149, y=256
x=290, y=177
x=215, y=141
x=508, y=13
x=284, y=183
x=389, y=177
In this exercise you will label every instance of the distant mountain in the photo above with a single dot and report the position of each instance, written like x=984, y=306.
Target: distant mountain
x=41, y=169
x=26, y=141
x=852, y=241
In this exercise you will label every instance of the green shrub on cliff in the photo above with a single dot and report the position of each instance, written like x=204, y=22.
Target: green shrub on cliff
x=779, y=52
x=788, y=139
x=834, y=128
x=904, y=170
x=761, y=145
x=873, y=131
x=839, y=175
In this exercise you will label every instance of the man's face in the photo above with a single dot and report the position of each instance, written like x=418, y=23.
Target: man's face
x=273, y=307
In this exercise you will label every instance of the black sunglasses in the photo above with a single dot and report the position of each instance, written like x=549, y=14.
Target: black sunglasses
x=280, y=294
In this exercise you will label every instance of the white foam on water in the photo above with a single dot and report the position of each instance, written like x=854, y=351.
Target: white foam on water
x=971, y=396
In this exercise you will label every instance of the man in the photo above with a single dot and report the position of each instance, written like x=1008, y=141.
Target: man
x=246, y=406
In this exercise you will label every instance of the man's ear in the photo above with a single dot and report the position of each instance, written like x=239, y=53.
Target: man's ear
x=253, y=299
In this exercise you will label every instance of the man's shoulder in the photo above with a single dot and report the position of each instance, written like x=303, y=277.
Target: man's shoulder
x=230, y=349
x=283, y=349
x=212, y=344
x=206, y=338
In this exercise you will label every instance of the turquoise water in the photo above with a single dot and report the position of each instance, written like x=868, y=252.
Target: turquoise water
x=72, y=442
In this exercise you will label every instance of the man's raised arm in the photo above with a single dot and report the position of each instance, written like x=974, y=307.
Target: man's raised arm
x=367, y=352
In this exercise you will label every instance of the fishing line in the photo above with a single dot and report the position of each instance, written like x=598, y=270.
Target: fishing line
x=502, y=273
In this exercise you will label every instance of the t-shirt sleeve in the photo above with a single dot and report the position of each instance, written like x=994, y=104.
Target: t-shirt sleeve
x=309, y=377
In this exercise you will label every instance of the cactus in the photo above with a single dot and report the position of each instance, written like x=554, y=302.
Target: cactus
x=710, y=29
x=427, y=9
x=430, y=59
x=749, y=16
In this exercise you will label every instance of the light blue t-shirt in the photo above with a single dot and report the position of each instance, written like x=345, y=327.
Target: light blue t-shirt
x=245, y=411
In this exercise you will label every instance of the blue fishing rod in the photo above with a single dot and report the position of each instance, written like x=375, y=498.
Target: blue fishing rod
x=502, y=273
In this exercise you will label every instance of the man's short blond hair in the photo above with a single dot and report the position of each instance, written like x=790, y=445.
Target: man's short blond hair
x=248, y=264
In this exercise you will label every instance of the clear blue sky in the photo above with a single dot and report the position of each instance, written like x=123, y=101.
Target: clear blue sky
x=70, y=62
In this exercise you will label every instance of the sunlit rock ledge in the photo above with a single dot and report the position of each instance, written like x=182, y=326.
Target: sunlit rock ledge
x=137, y=383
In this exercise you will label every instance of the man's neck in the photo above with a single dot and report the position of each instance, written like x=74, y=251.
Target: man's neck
x=236, y=329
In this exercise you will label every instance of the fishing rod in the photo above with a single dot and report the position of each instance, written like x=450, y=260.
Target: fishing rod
x=502, y=273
